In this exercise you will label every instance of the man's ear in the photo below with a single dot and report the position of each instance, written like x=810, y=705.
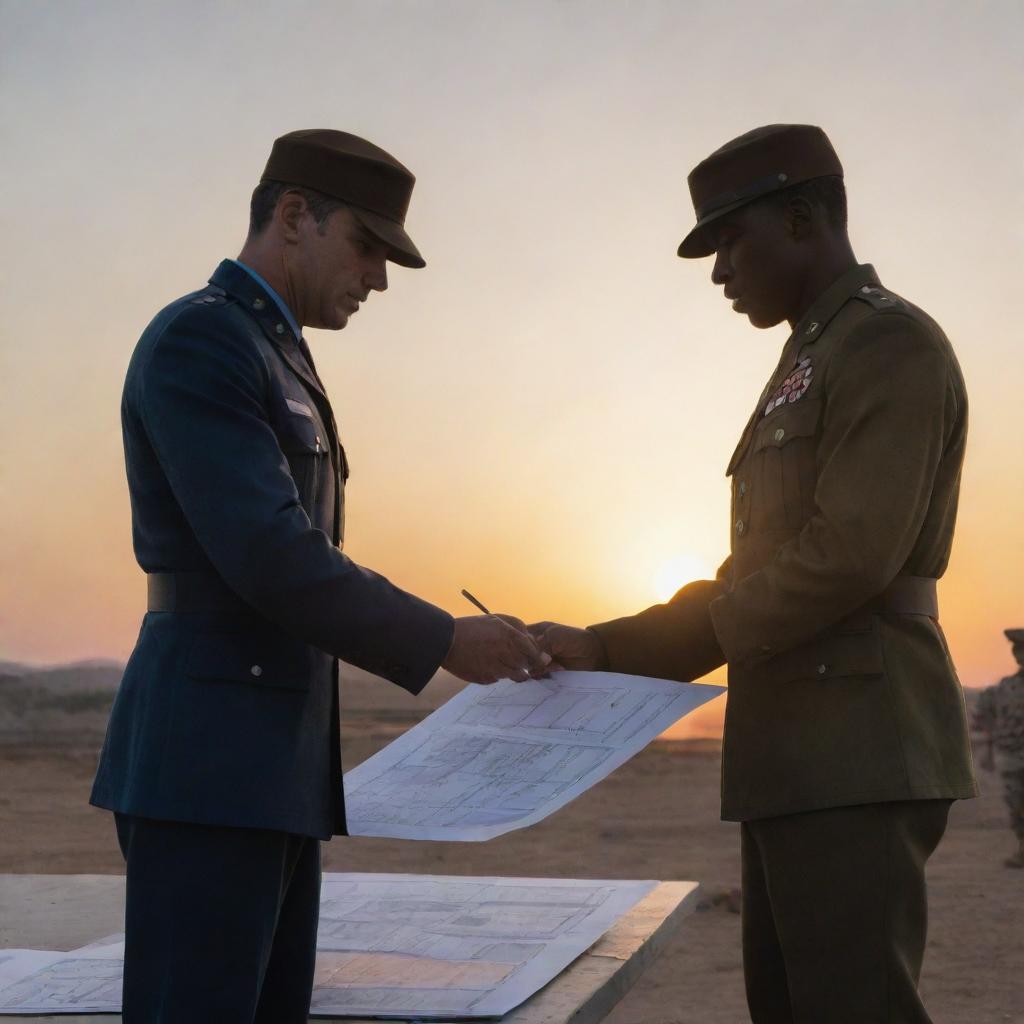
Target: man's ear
x=287, y=215
x=800, y=221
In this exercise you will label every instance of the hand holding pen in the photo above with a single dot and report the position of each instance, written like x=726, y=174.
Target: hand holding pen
x=486, y=648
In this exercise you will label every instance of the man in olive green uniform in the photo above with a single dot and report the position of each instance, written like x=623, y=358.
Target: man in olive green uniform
x=999, y=716
x=845, y=731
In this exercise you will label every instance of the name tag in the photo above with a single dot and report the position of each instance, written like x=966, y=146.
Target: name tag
x=299, y=407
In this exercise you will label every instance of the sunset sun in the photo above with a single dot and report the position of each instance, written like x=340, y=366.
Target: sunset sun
x=677, y=571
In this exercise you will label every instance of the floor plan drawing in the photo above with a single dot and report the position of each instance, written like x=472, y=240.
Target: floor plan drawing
x=403, y=946
x=497, y=758
x=452, y=947
x=42, y=981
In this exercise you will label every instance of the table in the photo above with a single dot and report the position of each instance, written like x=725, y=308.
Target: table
x=66, y=911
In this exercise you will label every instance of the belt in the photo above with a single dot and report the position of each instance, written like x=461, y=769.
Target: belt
x=905, y=595
x=192, y=592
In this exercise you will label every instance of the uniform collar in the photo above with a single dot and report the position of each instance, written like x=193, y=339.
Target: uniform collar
x=281, y=304
x=262, y=302
x=813, y=323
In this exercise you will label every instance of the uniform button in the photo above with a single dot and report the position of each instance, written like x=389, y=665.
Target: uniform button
x=256, y=670
x=822, y=669
x=258, y=303
x=779, y=434
x=743, y=488
x=740, y=526
x=279, y=328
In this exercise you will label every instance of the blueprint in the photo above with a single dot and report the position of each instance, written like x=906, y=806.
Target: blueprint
x=497, y=758
x=445, y=947
x=402, y=946
x=81, y=981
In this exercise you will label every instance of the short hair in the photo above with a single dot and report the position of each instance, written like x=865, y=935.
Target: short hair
x=828, y=192
x=267, y=193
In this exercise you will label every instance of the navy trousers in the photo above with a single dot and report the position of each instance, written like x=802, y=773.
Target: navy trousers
x=220, y=923
x=835, y=913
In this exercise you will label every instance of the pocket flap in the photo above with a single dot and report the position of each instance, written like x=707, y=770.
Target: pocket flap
x=249, y=658
x=797, y=420
x=842, y=654
x=300, y=408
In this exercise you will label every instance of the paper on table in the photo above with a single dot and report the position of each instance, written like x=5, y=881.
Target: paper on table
x=444, y=947
x=43, y=981
x=497, y=758
x=402, y=946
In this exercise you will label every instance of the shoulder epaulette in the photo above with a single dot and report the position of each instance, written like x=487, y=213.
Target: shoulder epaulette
x=209, y=296
x=879, y=298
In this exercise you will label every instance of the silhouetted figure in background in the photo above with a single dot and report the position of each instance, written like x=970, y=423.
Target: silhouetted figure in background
x=999, y=716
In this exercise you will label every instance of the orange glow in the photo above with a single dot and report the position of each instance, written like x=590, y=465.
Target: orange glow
x=677, y=571
x=544, y=414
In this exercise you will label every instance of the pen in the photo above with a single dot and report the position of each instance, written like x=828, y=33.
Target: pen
x=469, y=597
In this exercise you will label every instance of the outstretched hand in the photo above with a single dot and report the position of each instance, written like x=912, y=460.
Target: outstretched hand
x=568, y=646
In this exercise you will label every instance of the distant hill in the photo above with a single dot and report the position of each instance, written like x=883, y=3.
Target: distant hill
x=59, y=704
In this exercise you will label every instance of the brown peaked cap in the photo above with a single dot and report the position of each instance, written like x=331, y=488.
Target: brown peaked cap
x=372, y=182
x=764, y=160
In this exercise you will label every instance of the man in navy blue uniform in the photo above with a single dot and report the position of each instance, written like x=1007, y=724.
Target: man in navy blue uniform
x=222, y=759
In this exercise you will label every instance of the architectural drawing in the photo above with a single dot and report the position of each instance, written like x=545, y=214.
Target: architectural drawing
x=41, y=981
x=442, y=947
x=405, y=946
x=498, y=758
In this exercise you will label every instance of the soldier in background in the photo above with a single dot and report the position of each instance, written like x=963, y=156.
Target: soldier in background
x=999, y=717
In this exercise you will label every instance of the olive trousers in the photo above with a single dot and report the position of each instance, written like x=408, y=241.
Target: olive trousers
x=220, y=923
x=835, y=913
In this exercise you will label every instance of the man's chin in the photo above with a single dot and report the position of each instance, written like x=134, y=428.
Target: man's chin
x=762, y=321
x=338, y=321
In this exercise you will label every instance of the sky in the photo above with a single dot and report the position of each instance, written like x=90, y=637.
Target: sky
x=544, y=414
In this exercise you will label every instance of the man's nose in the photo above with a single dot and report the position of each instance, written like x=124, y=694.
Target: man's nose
x=721, y=271
x=377, y=278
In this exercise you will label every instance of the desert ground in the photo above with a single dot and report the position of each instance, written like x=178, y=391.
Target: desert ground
x=656, y=817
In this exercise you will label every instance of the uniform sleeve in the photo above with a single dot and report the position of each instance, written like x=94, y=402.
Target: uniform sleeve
x=889, y=411
x=675, y=640
x=203, y=406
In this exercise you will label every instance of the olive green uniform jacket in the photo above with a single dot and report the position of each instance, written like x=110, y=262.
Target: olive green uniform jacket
x=844, y=497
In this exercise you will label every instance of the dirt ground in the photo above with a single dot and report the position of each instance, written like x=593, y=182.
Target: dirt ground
x=656, y=817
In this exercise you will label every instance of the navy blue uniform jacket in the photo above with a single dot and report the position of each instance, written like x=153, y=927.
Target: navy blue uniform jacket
x=236, y=472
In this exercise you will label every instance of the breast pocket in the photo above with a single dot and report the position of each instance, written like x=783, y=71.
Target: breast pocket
x=305, y=446
x=783, y=466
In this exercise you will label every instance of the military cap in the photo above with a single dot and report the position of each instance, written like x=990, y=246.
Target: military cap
x=762, y=161
x=1015, y=636
x=376, y=187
